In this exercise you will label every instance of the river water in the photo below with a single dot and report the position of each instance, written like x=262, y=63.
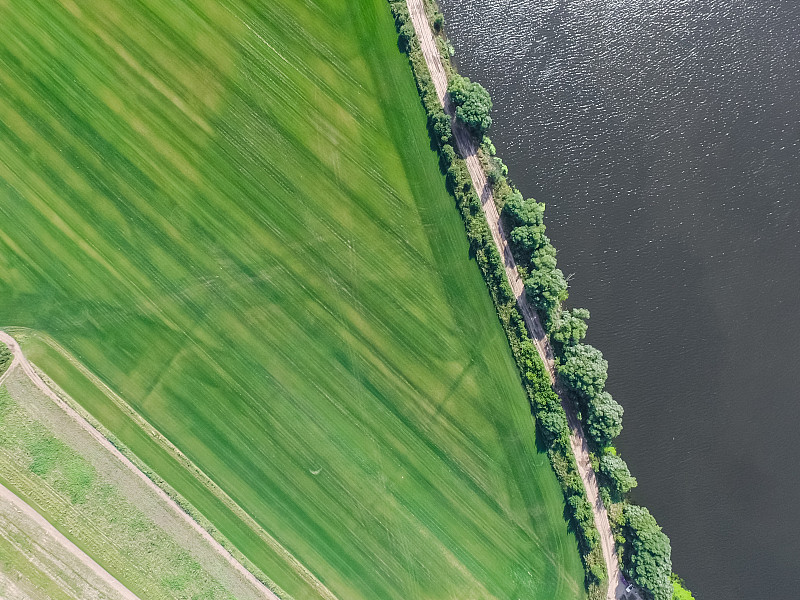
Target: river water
x=663, y=137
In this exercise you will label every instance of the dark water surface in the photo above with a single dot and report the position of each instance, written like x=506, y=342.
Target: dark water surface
x=664, y=138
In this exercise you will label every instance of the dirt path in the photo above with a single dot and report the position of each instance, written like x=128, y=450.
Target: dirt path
x=466, y=147
x=21, y=362
x=50, y=540
x=200, y=475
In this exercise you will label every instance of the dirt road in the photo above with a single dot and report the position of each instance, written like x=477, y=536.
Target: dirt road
x=21, y=362
x=467, y=148
x=47, y=547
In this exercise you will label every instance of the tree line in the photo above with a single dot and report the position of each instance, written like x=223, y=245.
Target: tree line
x=582, y=370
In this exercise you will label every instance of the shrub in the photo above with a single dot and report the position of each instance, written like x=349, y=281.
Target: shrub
x=487, y=147
x=5, y=357
x=405, y=36
x=400, y=13
x=679, y=591
x=496, y=171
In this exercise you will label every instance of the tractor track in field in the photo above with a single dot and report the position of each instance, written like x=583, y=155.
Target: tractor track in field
x=27, y=368
x=466, y=148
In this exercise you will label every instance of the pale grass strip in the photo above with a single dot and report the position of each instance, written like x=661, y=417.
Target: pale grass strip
x=17, y=504
x=101, y=439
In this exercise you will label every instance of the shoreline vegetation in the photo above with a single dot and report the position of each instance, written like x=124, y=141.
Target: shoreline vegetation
x=644, y=550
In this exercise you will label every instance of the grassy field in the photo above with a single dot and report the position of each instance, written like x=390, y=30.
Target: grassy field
x=54, y=466
x=229, y=212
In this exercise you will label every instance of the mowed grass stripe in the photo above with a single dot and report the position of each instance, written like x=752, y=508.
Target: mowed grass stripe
x=294, y=290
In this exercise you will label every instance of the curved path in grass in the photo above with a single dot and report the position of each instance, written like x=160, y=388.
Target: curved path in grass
x=467, y=149
x=30, y=372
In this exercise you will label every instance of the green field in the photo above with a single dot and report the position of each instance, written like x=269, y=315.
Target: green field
x=55, y=467
x=228, y=210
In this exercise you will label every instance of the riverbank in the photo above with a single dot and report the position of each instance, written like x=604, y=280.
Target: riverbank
x=467, y=148
x=642, y=541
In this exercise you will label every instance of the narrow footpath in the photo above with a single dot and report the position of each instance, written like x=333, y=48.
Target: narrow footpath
x=466, y=147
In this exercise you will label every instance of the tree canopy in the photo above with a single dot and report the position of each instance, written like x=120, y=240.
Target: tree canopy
x=584, y=370
x=650, y=557
x=553, y=424
x=546, y=288
x=472, y=103
x=524, y=212
x=570, y=327
x=617, y=472
x=604, y=421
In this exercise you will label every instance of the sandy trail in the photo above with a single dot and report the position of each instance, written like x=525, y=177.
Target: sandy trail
x=22, y=362
x=47, y=535
x=466, y=147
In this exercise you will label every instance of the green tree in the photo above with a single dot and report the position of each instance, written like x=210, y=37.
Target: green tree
x=617, y=472
x=472, y=103
x=544, y=257
x=526, y=218
x=547, y=289
x=570, y=327
x=527, y=237
x=604, y=421
x=546, y=286
x=649, y=559
x=553, y=424
x=584, y=370
x=405, y=36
